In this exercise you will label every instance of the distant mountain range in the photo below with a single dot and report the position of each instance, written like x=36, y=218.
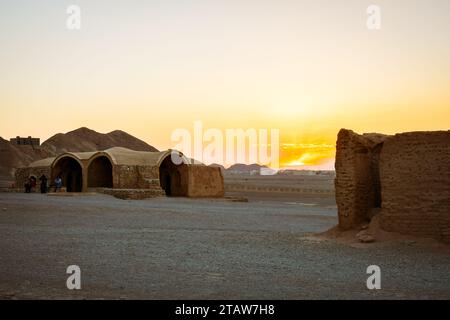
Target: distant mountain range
x=79, y=140
x=215, y=165
x=240, y=168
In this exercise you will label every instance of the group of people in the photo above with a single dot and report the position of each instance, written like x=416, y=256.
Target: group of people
x=30, y=185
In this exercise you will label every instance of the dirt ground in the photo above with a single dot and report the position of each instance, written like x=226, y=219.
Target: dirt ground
x=178, y=248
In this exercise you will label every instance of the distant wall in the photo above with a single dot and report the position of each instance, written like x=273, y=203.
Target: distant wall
x=205, y=181
x=405, y=178
x=245, y=187
x=29, y=141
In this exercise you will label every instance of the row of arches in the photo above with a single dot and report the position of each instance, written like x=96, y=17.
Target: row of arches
x=173, y=178
x=99, y=173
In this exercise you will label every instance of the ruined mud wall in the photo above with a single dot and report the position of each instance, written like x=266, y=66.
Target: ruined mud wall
x=415, y=184
x=205, y=181
x=357, y=182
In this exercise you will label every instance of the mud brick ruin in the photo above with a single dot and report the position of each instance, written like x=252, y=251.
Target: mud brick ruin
x=29, y=141
x=128, y=174
x=403, y=178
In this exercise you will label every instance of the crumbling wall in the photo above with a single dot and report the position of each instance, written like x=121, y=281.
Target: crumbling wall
x=357, y=181
x=415, y=184
x=205, y=181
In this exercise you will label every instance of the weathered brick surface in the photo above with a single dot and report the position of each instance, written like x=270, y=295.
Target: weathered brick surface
x=133, y=177
x=415, y=179
x=205, y=181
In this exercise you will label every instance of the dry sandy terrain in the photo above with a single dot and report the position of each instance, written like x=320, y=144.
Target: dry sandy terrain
x=173, y=248
x=322, y=182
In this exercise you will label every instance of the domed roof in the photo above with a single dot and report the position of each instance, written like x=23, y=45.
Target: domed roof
x=118, y=156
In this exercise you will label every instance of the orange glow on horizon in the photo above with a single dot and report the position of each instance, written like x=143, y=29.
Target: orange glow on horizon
x=307, y=156
x=150, y=67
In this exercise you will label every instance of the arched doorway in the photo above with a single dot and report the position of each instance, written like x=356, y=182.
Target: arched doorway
x=70, y=172
x=173, y=178
x=100, y=173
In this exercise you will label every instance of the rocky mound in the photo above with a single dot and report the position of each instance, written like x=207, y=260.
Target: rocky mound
x=84, y=139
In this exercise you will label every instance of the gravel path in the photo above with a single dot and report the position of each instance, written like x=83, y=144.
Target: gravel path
x=177, y=248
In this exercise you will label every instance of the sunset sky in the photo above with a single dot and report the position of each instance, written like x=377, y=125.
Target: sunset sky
x=307, y=68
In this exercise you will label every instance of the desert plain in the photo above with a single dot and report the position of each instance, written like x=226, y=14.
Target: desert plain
x=248, y=245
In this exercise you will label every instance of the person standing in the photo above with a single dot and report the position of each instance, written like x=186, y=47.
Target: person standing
x=27, y=186
x=58, y=183
x=43, y=180
x=33, y=183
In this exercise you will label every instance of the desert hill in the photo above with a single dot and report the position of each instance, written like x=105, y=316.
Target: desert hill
x=13, y=156
x=84, y=139
x=80, y=140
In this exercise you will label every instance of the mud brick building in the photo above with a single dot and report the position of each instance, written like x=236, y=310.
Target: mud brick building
x=404, y=178
x=29, y=141
x=119, y=170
